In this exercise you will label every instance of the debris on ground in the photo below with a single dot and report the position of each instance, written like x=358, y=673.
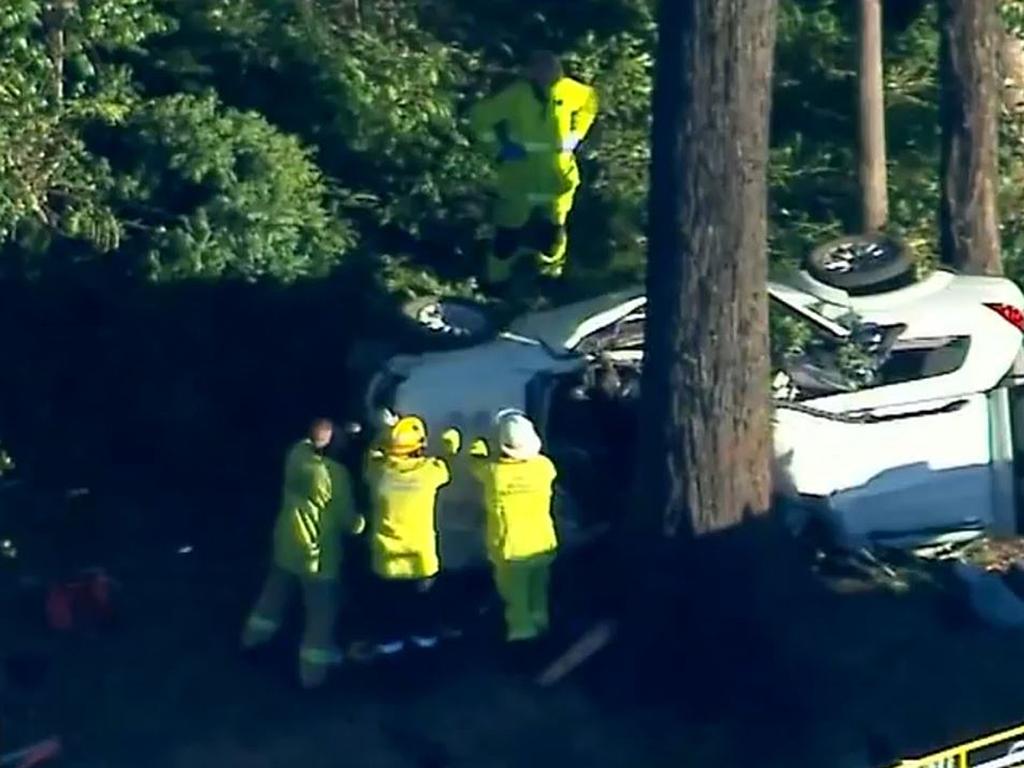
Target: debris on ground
x=994, y=554
x=33, y=755
x=596, y=638
x=862, y=565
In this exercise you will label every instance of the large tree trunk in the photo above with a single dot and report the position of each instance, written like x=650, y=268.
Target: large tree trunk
x=874, y=197
x=970, y=135
x=706, y=428
x=703, y=534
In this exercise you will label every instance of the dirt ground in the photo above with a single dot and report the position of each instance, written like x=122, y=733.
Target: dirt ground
x=873, y=675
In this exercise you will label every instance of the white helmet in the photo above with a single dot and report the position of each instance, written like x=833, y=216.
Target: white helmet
x=517, y=436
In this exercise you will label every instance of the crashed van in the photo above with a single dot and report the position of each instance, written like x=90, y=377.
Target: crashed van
x=898, y=422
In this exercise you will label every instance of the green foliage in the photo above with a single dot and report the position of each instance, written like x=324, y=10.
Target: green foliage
x=50, y=184
x=1011, y=138
x=616, y=157
x=274, y=138
x=813, y=174
x=221, y=193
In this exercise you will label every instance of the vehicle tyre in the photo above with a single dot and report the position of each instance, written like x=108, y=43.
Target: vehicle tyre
x=365, y=358
x=438, y=322
x=861, y=263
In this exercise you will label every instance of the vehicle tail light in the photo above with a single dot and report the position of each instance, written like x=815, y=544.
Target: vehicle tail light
x=1009, y=313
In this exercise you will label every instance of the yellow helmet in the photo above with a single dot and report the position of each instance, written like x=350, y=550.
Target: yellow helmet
x=408, y=435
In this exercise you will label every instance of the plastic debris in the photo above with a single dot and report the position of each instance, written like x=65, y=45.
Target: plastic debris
x=76, y=493
x=35, y=754
x=8, y=550
x=186, y=549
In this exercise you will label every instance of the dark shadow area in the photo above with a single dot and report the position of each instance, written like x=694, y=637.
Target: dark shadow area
x=195, y=385
x=737, y=653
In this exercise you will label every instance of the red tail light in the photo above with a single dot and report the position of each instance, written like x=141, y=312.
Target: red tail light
x=1009, y=313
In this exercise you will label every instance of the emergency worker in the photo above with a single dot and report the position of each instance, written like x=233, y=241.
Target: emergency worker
x=317, y=508
x=404, y=483
x=532, y=128
x=520, y=531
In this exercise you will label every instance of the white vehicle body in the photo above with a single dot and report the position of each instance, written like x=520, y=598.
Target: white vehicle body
x=924, y=457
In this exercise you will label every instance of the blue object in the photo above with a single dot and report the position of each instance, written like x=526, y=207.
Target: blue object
x=509, y=150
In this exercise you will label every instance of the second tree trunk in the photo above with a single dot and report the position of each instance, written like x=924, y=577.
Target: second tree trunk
x=969, y=109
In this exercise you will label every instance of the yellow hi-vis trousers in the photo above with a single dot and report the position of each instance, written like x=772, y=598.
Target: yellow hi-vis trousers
x=523, y=586
x=513, y=214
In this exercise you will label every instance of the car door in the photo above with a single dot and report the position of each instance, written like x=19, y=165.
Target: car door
x=900, y=474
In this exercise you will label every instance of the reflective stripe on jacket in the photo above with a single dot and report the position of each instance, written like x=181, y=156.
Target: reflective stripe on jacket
x=540, y=123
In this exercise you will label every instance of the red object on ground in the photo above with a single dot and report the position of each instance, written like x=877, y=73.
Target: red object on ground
x=58, y=609
x=83, y=600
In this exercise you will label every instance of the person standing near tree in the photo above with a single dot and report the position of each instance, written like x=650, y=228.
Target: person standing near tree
x=533, y=128
x=520, y=530
x=317, y=508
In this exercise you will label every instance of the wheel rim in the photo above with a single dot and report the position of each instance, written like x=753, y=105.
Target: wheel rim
x=845, y=258
x=450, y=319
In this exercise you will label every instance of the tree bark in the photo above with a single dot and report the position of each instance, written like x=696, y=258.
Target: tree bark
x=874, y=196
x=706, y=421
x=969, y=114
x=55, y=18
x=709, y=567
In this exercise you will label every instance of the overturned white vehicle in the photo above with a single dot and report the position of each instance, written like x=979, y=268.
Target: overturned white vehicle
x=917, y=442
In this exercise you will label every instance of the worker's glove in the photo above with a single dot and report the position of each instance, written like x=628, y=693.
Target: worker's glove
x=452, y=440
x=510, y=150
x=570, y=142
x=478, y=450
x=387, y=418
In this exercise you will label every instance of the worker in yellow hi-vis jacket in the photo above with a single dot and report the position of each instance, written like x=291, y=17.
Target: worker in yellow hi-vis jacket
x=533, y=128
x=404, y=484
x=317, y=508
x=520, y=530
